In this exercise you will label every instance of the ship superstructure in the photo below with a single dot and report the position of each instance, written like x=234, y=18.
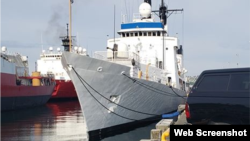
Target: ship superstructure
x=147, y=42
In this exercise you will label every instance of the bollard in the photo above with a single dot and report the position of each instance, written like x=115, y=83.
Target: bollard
x=155, y=134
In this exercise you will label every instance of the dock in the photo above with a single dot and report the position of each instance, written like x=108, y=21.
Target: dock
x=163, y=126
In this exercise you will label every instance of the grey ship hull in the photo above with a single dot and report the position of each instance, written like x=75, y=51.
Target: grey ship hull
x=147, y=98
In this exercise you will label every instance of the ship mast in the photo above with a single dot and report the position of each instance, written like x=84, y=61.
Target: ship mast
x=70, y=25
x=66, y=40
x=164, y=14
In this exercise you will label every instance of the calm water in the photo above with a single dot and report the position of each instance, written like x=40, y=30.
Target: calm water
x=56, y=121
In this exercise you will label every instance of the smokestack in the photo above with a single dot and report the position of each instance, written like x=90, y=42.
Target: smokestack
x=148, y=1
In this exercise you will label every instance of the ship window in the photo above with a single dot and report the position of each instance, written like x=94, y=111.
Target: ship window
x=127, y=34
x=123, y=34
x=154, y=34
x=131, y=34
x=160, y=64
x=140, y=33
x=136, y=33
x=144, y=33
x=158, y=33
x=149, y=33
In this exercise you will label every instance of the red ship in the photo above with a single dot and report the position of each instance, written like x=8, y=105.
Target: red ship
x=64, y=89
x=18, y=89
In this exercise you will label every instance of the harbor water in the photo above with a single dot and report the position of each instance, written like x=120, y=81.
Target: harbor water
x=57, y=121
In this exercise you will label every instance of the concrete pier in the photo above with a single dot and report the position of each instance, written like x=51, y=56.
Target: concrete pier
x=164, y=125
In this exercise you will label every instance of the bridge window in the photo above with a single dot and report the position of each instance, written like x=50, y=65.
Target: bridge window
x=149, y=34
x=127, y=34
x=123, y=34
x=158, y=33
x=144, y=33
x=140, y=33
x=136, y=33
x=131, y=34
x=154, y=34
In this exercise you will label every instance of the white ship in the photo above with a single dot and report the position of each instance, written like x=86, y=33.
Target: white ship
x=138, y=78
x=50, y=63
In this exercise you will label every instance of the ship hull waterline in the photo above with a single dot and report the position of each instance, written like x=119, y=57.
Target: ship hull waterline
x=19, y=97
x=108, y=79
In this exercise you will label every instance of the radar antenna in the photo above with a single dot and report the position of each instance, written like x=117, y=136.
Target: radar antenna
x=164, y=12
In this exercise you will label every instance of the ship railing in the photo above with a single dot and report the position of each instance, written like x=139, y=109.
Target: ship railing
x=121, y=57
x=45, y=80
x=153, y=74
x=116, y=56
x=23, y=73
x=10, y=57
x=136, y=16
x=48, y=75
x=51, y=54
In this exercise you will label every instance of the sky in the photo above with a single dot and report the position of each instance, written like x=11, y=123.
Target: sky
x=214, y=33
